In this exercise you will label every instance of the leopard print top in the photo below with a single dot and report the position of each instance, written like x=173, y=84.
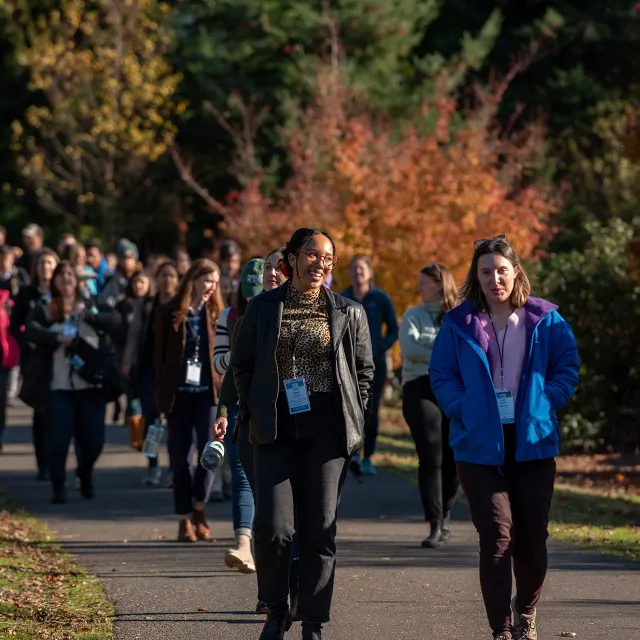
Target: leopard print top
x=305, y=329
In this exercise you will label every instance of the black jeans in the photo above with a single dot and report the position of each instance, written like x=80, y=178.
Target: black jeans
x=510, y=510
x=437, y=476
x=372, y=427
x=41, y=439
x=302, y=471
x=191, y=412
x=79, y=415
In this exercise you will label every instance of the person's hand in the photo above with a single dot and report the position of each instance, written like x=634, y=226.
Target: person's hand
x=219, y=429
x=65, y=340
x=126, y=371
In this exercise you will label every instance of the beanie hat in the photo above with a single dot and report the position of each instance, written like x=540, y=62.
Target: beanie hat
x=251, y=278
x=126, y=248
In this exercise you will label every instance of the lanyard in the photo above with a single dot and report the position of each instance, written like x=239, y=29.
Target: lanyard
x=501, y=350
x=195, y=334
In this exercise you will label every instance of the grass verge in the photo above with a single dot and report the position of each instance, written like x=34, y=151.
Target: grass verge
x=44, y=595
x=601, y=518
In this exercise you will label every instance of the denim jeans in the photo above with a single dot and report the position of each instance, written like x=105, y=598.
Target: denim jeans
x=301, y=473
x=79, y=415
x=192, y=412
x=242, y=497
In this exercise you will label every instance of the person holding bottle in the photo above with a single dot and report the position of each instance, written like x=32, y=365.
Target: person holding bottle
x=137, y=365
x=24, y=304
x=383, y=325
x=303, y=370
x=75, y=358
x=502, y=365
x=437, y=477
x=185, y=390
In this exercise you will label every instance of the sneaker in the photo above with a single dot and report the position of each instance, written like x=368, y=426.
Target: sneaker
x=355, y=466
x=367, y=468
x=524, y=626
x=503, y=636
x=241, y=558
x=153, y=478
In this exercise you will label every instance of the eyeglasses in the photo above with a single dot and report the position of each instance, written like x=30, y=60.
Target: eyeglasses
x=314, y=258
x=479, y=243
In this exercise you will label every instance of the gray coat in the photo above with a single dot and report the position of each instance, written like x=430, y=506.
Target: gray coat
x=255, y=368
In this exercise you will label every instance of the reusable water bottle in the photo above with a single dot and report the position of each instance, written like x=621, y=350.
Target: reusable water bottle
x=153, y=441
x=212, y=456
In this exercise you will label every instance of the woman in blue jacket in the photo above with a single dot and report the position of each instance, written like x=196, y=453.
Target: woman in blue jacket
x=502, y=365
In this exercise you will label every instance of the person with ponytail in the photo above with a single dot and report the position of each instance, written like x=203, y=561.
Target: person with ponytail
x=437, y=477
x=303, y=369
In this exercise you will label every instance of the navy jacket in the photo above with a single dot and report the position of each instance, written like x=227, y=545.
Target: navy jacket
x=462, y=382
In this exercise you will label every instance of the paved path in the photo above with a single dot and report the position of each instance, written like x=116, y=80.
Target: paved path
x=387, y=588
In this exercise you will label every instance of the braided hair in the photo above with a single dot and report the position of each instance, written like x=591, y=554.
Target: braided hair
x=297, y=243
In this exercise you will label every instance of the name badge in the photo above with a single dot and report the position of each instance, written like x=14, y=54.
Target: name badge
x=194, y=373
x=506, y=406
x=297, y=395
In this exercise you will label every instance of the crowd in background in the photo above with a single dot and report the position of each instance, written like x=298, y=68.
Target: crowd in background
x=265, y=356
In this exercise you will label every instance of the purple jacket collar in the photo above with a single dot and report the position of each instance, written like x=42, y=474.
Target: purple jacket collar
x=466, y=317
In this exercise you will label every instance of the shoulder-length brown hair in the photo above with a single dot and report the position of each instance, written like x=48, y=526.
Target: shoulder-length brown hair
x=198, y=268
x=57, y=309
x=443, y=275
x=45, y=251
x=471, y=288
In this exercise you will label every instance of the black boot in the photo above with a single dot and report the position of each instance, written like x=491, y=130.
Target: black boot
x=278, y=622
x=446, y=528
x=86, y=485
x=311, y=631
x=59, y=492
x=435, y=537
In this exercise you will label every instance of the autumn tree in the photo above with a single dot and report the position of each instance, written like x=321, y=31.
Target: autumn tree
x=405, y=196
x=102, y=109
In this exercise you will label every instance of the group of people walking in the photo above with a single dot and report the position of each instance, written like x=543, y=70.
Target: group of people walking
x=290, y=375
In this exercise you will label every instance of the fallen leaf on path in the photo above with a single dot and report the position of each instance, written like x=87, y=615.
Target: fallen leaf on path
x=203, y=609
x=568, y=634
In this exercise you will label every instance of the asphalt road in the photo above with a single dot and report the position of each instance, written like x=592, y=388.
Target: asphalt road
x=387, y=588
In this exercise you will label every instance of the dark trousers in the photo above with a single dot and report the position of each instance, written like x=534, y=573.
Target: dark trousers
x=4, y=387
x=192, y=412
x=510, y=510
x=371, y=429
x=437, y=476
x=79, y=415
x=301, y=473
x=146, y=391
x=41, y=439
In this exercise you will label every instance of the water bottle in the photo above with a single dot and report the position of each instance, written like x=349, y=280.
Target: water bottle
x=153, y=441
x=212, y=456
x=70, y=327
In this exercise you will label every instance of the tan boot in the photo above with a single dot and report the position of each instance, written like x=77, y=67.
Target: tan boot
x=241, y=558
x=186, y=532
x=203, y=532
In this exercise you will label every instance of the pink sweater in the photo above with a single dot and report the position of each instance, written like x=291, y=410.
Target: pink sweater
x=513, y=350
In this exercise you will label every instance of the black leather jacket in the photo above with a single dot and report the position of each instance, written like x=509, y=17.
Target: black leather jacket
x=255, y=368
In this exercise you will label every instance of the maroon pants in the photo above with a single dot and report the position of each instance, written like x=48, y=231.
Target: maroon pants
x=510, y=510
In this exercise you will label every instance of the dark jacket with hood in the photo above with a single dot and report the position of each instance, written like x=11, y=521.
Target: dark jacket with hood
x=255, y=368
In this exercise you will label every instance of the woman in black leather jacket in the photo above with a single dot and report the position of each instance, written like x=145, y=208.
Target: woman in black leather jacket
x=303, y=370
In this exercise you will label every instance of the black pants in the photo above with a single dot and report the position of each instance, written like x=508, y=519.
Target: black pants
x=372, y=427
x=510, y=511
x=437, y=476
x=303, y=470
x=191, y=412
x=41, y=439
x=4, y=388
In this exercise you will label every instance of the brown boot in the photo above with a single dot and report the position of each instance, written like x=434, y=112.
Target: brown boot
x=186, y=532
x=136, y=431
x=203, y=532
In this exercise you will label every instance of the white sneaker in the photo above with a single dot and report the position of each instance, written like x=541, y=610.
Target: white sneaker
x=153, y=478
x=524, y=627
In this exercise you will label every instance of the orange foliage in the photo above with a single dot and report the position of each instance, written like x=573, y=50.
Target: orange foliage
x=404, y=198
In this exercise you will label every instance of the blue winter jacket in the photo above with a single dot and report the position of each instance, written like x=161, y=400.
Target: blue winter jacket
x=462, y=382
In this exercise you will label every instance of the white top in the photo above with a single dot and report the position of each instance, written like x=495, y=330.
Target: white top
x=64, y=379
x=418, y=332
